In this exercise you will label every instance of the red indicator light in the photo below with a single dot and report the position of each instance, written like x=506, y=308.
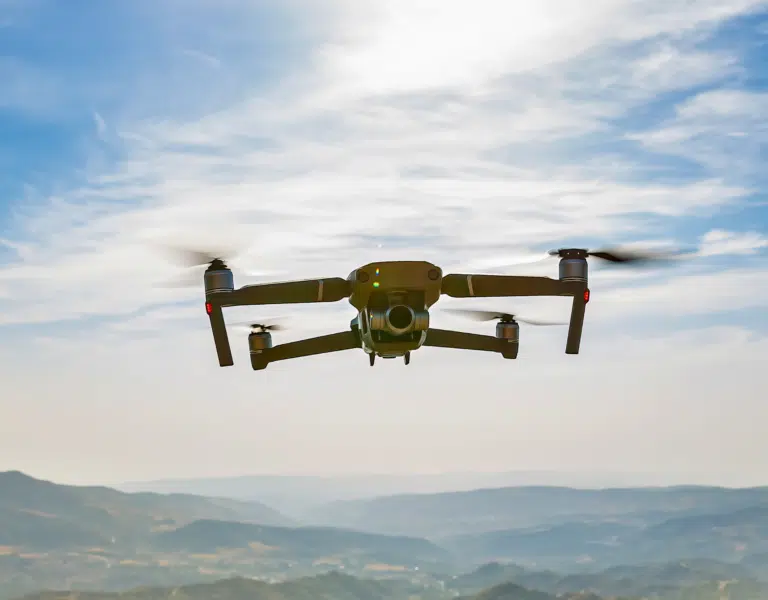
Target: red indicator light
x=586, y=296
x=208, y=307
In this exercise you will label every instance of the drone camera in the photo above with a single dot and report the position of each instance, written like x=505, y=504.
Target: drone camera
x=399, y=319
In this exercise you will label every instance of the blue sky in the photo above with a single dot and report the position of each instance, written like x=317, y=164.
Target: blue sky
x=316, y=137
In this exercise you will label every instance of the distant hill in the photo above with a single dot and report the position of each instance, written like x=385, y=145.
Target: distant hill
x=336, y=586
x=757, y=564
x=299, y=543
x=94, y=538
x=726, y=537
x=37, y=514
x=642, y=581
x=447, y=514
x=610, y=542
x=512, y=591
x=295, y=495
x=332, y=586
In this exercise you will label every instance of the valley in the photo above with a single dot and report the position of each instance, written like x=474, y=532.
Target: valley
x=555, y=541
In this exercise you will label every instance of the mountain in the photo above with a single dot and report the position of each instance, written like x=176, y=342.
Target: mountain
x=452, y=513
x=296, y=495
x=511, y=591
x=647, y=582
x=607, y=542
x=94, y=538
x=565, y=544
x=37, y=514
x=757, y=565
x=303, y=543
x=331, y=586
x=642, y=581
x=725, y=537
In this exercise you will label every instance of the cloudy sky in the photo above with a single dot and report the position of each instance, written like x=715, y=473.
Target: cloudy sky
x=314, y=136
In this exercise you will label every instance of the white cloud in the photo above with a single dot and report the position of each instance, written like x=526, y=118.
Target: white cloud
x=452, y=154
x=718, y=242
x=410, y=152
x=101, y=124
x=687, y=295
x=203, y=57
x=404, y=45
x=725, y=130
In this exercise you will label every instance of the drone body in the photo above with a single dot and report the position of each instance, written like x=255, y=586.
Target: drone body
x=393, y=302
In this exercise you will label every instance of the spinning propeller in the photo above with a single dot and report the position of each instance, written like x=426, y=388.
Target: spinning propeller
x=617, y=255
x=488, y=315
x=194, y=258
x=198, y=257
x=262, y=327
x=614, y=256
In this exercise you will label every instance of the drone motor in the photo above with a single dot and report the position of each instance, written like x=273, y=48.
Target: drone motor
x=573, y=264
x=508, y=330
x=259, y=340
x=218, y=278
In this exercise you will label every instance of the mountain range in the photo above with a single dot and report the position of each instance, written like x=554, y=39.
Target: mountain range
x=298, y=495
x=331, y=586
x=646, y=542
x=36, y=514
x=483, y=510
x=335, y=586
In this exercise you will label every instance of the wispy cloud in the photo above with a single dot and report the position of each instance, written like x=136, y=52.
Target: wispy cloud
x=724, y=130
x=467, y=134
x=203, y=57
x=369, y=144
x=101, y=124
x=717, y=242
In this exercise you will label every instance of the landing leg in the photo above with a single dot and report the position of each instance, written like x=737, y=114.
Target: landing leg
x=371, y=358
x=407, y=357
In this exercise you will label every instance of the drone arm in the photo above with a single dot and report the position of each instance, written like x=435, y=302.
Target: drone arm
x=444, y=338
x=332, y=289
x=306, y=291
x=578, y=309
x=487, y=286
x=335, y=342
x=220, y=337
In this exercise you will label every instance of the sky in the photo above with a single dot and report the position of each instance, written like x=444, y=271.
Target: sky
x=312, y=137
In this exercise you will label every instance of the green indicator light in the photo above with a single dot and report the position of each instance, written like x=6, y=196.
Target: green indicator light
x=375, y=284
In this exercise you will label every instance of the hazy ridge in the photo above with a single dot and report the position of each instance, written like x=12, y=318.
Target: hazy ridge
x=500, y=542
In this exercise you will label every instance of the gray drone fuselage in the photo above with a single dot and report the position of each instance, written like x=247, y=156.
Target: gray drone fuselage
x=393, y=301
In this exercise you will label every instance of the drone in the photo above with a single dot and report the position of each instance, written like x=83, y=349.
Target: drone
x=393, y=301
